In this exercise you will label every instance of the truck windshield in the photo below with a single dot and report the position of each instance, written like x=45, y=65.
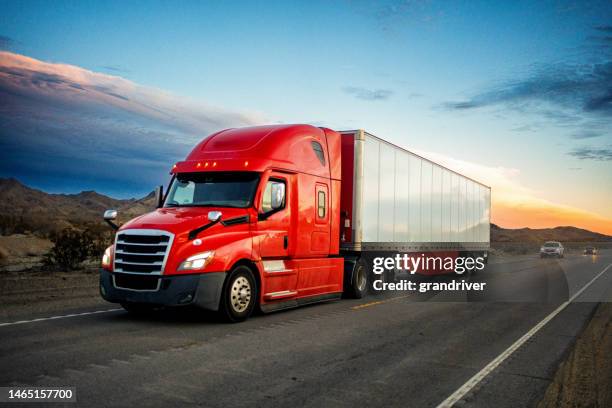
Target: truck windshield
x=212, y=190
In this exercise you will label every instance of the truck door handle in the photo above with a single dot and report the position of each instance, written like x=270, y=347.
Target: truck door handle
x=285, y=242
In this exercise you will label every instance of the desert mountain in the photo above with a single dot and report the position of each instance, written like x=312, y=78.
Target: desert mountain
x=24, y=209
x=562, y=234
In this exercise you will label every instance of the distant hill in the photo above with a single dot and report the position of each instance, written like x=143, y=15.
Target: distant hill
x=562, y=234
x=24, y=209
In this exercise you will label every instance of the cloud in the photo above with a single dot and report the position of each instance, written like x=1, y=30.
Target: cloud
x=516, y=206
x=391, y=16
x=5, y=42
x=63, y=122
x=592, y=153
x=368, y=94
x=586, y=134
x=115, y=69
x=558, y=91
x=575, y=94
x=524, y=128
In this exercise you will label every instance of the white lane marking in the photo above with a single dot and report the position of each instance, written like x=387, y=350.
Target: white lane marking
x=472, y=382
x=41, y=319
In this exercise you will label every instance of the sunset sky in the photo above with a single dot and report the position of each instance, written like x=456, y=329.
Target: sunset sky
x=107, y=95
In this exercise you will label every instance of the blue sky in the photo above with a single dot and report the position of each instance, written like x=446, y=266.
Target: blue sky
x=520, y=90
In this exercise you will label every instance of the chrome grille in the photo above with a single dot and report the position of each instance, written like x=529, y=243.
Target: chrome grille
x=142, y=251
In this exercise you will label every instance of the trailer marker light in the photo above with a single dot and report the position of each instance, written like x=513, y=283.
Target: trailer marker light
x=199, y=165
x=206, y=164
x=246, y=163
x=214, y=164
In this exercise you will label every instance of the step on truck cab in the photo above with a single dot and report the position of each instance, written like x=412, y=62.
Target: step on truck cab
x=273, y=217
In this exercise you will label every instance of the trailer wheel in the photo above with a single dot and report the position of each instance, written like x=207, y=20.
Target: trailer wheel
x=239, y=295
x=359, y=283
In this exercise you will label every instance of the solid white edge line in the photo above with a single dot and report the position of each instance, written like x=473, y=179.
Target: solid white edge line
x=40, y=319
x=478, y=377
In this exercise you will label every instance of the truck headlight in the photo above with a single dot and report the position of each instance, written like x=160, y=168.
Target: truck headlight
x=197, y=261
x=107, y=258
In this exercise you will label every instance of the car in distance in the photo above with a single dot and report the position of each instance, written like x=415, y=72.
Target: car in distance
x=552, y=248
x=590, y=250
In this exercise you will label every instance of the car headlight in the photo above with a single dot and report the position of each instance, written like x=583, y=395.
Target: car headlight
x=107, y=258
x=197, y=261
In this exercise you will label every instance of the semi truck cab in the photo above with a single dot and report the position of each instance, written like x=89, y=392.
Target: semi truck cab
x=251, y=218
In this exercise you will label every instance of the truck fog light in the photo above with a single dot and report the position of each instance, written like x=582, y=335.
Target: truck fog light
x=102, y=290
x=186, y=299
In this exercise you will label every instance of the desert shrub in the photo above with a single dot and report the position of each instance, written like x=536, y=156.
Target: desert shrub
x=71, y=247
x=103, y=236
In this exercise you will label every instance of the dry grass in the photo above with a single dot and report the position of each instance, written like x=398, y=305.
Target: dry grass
x=585, y=378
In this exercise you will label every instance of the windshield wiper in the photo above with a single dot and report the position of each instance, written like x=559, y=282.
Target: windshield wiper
x=194, y=233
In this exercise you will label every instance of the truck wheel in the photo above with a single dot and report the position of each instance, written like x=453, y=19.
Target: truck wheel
x=359, y=283
x=239, y=295
x=137, y=308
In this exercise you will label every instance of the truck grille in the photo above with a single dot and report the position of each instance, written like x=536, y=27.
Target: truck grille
x=136, y=282
x=142, y=251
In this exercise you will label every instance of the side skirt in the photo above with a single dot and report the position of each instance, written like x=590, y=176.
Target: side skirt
x=288, y=304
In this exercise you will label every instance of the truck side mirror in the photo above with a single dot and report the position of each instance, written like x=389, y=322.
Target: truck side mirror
x=278, y=196
x=159, y=196
x=109, y=216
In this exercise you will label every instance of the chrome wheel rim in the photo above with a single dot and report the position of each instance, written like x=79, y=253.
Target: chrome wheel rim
x=240, y=294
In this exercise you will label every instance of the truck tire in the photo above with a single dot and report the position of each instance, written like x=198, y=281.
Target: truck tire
x=359, y=284
x=137, y=309
x=239, y=295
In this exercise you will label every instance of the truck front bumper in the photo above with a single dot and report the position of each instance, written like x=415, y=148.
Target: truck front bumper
x=202, y=290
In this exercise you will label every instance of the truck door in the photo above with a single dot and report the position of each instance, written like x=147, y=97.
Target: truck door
x=279, y=275
x=274, y=216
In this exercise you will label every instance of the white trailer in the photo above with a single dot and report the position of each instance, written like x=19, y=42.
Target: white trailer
x=400, y=201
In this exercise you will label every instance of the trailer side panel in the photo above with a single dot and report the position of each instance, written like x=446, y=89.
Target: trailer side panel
x=403, y=202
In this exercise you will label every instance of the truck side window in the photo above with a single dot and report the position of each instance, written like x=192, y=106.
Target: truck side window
x=318, y=150
x=321, y=204
x=274, y=196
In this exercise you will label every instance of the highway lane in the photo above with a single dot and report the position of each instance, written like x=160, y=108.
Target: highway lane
x=380, y=351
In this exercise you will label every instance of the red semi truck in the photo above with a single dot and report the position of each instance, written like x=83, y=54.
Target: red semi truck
x=279, y=216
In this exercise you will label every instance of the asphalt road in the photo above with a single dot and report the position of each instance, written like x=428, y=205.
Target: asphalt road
x=394, y=350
